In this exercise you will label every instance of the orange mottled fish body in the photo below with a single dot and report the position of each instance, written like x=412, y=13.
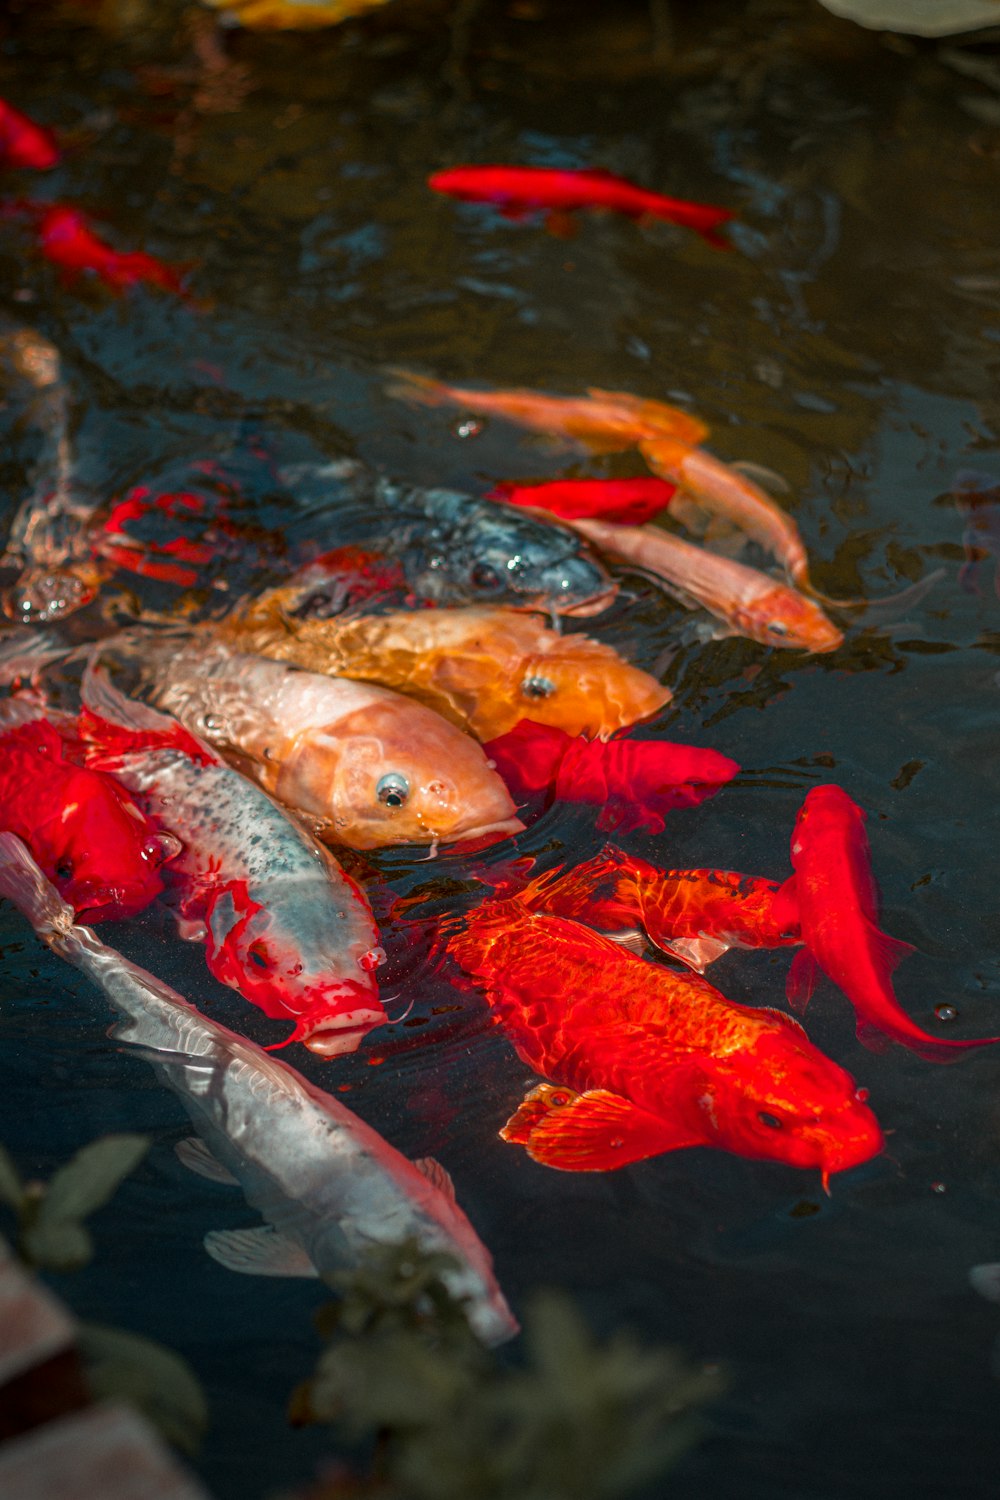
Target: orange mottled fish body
x=483, y=668
x=641, y=1060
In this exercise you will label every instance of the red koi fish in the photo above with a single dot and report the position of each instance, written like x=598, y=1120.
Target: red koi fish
x=67, y=240
x=631, y=502
x=524, y=190
x=635, y=782
x=23, y=143
x=83, y=828
x=695, y=915
x=164, y=561
x=837, y=901
x=643, y=1060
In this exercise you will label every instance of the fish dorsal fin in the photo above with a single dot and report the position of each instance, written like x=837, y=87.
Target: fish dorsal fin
x=436, y=1175
x=592, y=1132
x=768, y=479
x=113, y=724
x=258, y=1252
x=195, y=1155
x=801, y=980
x=697, y=952
x=784, y=1018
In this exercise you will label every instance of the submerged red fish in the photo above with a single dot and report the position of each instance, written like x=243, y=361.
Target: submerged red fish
x=23, y=143
x=695, y=915
x=635, y=782
x=630, y=502
x=66, y=238
x=524, y=190
x=644, y=1060
x=837, y=901
x=84, y=830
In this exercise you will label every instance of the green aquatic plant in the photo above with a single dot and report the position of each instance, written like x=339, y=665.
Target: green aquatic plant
x=449, y=1420
x=50, y=1236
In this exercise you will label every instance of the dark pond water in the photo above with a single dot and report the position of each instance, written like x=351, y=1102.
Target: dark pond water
x=851, y=342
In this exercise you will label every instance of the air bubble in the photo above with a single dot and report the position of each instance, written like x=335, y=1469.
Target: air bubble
x=468, y=427
x=939, y=1187
x=212, y=723
x=945, y=1012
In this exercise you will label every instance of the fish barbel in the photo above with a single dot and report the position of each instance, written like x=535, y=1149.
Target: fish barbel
x=482, y=668
x=283, y=924
x=751, y=603
x=328, y=1185
x=368, y=766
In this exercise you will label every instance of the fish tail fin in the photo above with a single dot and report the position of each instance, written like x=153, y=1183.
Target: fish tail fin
x=902, y=599
x=113, y=724
x=24, y=885
x=570, y=893
x=26, y=652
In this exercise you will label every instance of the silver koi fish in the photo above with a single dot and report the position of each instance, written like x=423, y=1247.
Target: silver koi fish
x=328, y=1185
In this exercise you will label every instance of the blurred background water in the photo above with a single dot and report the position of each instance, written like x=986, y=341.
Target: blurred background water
x=849, y=342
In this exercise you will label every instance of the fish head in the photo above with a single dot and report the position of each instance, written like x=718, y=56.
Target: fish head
x=394, y=772
x=783, y=1100
x=826, y=809
x=584, y=687
x=782, y=617
x=109, y=856
x=288, y=976
x=482, y=553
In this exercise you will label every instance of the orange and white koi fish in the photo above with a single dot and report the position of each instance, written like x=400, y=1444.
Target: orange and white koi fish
x=642, y=1060
x=751, y=603
x=837, y=902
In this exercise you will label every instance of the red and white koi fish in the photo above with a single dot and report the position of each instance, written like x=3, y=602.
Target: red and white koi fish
x=524, y=190
x=634, y=782
x=282, y=923
x=837, y=901
x=694, y=915
x=643, y=1060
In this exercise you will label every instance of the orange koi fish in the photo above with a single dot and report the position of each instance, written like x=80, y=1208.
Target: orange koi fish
x=628, y=501
x=604, y=421
x=67, y=240
x=750, y=602
x=523, y=190
x=695, y=915
x=837, y=901
x=634, y=782
x=23, y=143
x=642, y=1060
x=84, y=829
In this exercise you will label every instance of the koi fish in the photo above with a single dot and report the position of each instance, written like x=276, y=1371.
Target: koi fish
x=837, y=901
x=750, y=603
x=694, y=915
x=521, y=190
x=366, y=766
x=483, y=669
x=328, y=1185
x=87, y=833
x=293, y=15
x=603, y=421
x=282, y=922
x=628, y=501
x=456, y=549
x=23, y=143
x=634, y=782
x=66, y=238
x=642, y=1060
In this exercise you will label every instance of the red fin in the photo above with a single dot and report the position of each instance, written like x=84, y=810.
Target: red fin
x=785, y=906
x=592, y=1132
x=871, y=1037
x=801, y=979
x=784, y=1018
x=890, y=950
x=113, y=725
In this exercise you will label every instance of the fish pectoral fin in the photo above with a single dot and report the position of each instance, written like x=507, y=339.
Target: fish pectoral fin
x=870, y=1036
x=258, y=1252
x=591, y=1132
x=432, y=1169
x=801, y=980
x=697, y=952
x=891, y=950
x=633, y=940
x=195, y=1155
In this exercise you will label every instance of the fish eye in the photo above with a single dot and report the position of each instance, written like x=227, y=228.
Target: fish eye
x=771, y=1121
x=392, y=789
x=538, y=687
x=259, y=955
x=486, y=578
x=775, y=627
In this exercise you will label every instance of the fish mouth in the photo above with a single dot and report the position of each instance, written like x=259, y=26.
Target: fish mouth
x=481, y=837
x=339, y=1035
x=594, y=604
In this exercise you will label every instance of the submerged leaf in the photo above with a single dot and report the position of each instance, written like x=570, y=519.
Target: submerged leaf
x=90, y=1178
x=56, y=1245
x=918, y=17
x=161, y=1384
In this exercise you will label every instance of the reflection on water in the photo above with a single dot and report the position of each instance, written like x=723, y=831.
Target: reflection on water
x=848, y=342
